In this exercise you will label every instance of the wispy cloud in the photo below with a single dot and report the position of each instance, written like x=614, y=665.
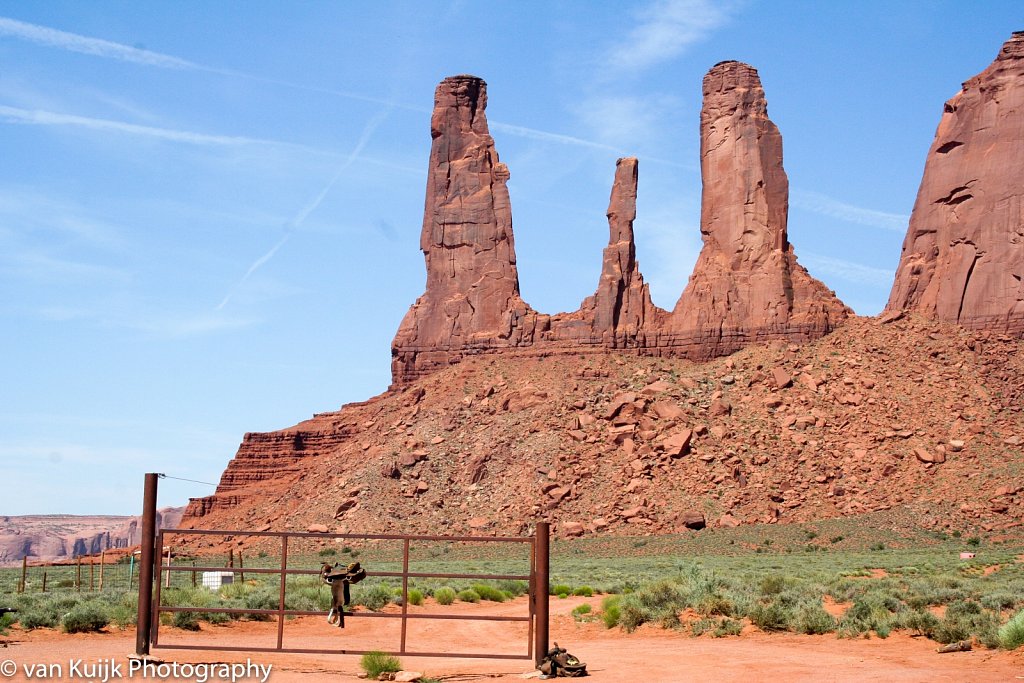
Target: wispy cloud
x=847, y=270
x=107, y=49
x=39, y=267
x=51, y=37
x=827, y=206
x=48, y=118
x=665, y=29
x=304, y=213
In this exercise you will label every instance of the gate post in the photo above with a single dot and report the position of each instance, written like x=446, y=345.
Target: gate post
x=542, y=587
x=145, y=617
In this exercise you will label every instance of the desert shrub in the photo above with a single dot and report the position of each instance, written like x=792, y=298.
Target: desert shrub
x=999, y=601
x=580, y=611
x=216, y=618
x=375, y=663
x=772, y=616
x=715, y=604
x=659, y=602
x=584, y=591
x=327, y=552
x=444, y=595
x=415, y=596
x=6, y=620
x=702, y=626
x=963, y=608
x=513, y=587
x=560, y=589
x=773, y=584
x=1011, y=634
x=611, y=610
x=85, y=618
x=812, y=618
x=375, y=597
x=952, y=629
x=185, y=620
x=261, y=598
x=974, y=541
x=922, y=622
x=39, y=616
x=727, y=627
x=487, y=592
x=469, y=595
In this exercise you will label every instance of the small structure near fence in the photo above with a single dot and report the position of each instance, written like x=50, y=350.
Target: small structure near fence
x=214, y=580
x=152, y=572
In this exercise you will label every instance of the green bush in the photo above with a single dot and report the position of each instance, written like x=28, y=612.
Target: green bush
x=513, y=587
x=85, y=618
x=185, y=620
x=261, y=598
x=327, y=552
x=812, y=618
x=375, y=663
x=952, y=630
x=611, y=610
x=1011, y=634
x=920, y=621
x=727, y=627
x=469, y=595
x=374, y=598
x=773, y=584
x=415, y=596
x=579, y=611
x=584, y=591
x=487, y=592
x=444, y=596
x=770, y=617
x=999, y=601
x=560, y=589
x=5, y=622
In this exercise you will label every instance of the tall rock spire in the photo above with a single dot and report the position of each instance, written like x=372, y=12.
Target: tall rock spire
x=472, y=295
x=963, y=257
x=622, y=304
x=746, y=285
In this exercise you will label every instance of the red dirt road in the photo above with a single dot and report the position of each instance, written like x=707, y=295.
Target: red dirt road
x=651, y=654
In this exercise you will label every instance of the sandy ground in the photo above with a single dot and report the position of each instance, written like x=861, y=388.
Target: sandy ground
x=651, y=654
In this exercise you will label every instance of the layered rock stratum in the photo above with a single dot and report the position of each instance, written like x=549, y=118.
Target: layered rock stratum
x=963, y=257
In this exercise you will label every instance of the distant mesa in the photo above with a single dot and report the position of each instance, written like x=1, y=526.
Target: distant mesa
x=963, y=257
x=747, y=286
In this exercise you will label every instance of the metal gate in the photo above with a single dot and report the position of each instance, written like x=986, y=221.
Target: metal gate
x=150, y=608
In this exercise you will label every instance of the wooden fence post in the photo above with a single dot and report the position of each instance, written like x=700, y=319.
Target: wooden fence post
x=103, y=561
x=44, y=581
x=78, y=574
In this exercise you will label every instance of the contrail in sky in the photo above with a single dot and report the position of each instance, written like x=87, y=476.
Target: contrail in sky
x=73, y=42
x=301, y=216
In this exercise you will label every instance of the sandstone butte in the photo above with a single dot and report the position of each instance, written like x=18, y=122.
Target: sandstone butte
x=747, y=286
x=963, y=257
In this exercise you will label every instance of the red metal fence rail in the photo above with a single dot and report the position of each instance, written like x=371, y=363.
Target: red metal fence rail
x=536, y=620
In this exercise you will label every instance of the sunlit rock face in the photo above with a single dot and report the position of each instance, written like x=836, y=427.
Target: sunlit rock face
x=963, y=257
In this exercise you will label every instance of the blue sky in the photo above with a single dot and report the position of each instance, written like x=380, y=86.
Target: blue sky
x=209, y=212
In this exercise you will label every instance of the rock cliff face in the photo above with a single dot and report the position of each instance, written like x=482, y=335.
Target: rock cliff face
x=52, y=538
x=621, y=309
x=472, y=294
x=963, y=257
x=747, y=285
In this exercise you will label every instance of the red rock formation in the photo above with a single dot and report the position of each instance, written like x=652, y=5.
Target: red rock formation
x=621, y=308
x=271, y=457
x=472, y=298
x=963, y=257
x=747, y=285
